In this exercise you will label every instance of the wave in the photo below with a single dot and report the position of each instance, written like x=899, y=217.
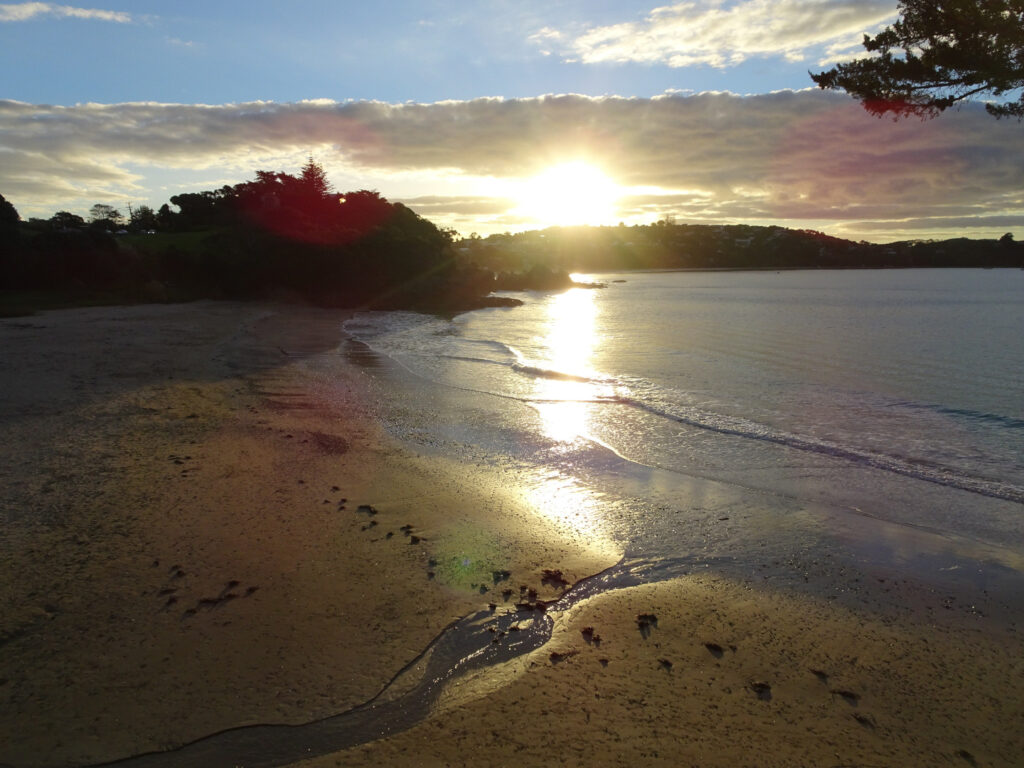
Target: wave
x=549, y=373
x=419, y=343
x=992, y=419
x=916, y=468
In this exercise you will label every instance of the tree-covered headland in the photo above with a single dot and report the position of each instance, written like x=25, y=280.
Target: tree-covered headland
x=277, y=236
x=293, y=238
x=670, y=245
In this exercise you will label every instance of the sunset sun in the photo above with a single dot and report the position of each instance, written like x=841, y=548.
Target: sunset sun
x=568, y=194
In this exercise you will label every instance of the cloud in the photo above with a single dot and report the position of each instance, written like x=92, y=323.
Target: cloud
x=462, y=205
x=720, y=34
x=793, y=157
x=27, y=11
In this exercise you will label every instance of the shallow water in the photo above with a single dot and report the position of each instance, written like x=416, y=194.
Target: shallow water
x=795, y=432
x=882, y=410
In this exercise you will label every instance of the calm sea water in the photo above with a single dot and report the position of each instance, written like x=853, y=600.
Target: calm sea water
x=880, y=406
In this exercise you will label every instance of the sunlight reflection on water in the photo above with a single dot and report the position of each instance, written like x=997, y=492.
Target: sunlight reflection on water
x=563, y=398
x=570, y=505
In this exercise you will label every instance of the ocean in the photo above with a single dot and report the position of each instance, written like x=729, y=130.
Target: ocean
x=747, y=418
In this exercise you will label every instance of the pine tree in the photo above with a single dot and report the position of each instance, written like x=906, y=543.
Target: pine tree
x=939, y=53
x=314, y=179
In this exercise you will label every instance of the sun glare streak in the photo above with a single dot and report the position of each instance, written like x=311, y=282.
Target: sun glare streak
x=571, y=506
x=564, y=396
x=563, y=399
x=569, y=194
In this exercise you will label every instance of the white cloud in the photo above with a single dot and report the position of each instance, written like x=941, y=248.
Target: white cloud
x=27, y=11
x=720, y=34
x=796, y=158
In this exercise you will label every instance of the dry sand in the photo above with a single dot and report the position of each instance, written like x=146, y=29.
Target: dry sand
x=183, y=553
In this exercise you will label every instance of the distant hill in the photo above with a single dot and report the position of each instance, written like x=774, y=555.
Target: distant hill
x=696, y=246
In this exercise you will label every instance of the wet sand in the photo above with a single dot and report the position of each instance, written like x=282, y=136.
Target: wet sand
x=204, y=527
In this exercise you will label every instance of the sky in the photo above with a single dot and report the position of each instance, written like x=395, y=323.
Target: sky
x=494, y=115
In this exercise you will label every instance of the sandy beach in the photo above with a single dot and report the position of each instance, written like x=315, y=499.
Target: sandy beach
x=204, y=526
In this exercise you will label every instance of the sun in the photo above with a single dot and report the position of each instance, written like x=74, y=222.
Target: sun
x=569, y=194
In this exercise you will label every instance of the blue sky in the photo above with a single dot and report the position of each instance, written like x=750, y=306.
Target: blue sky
x=203, y=52
x=702, y=110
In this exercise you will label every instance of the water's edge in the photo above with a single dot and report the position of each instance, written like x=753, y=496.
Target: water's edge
x=477, y=641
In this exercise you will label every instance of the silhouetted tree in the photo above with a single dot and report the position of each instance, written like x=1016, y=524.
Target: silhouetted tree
x=10, y=238
x=143, y=217
x=314, y=179
x=9, y=243
x=9, y=217
x=66, y=220
x=938, y=53
x=105, y=216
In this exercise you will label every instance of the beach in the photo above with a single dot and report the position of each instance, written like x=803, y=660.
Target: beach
x=206, y=526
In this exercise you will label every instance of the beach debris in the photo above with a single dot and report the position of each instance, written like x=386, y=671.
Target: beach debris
x=226, y=595
x=414, y=539
x=540, y=605
x=389, y=534
x=366, y=509
x=500, y=576
x=645, y=622
x=506, y=594
x=822, y=676
x=603, y=662
x=590, y=637
x=492, y=607
x=531, y=594
x=665, y=664
x=335, y=489
x=406, y=529
x=866, y=720
x=963, y=754
x=849, y=697
x=557, y=657
x=762, y=690
x=483, y=589
x=369, y=525
x=715, y=650
x=553, y=578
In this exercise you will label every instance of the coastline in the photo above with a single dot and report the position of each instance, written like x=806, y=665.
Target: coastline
x=186, y=554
